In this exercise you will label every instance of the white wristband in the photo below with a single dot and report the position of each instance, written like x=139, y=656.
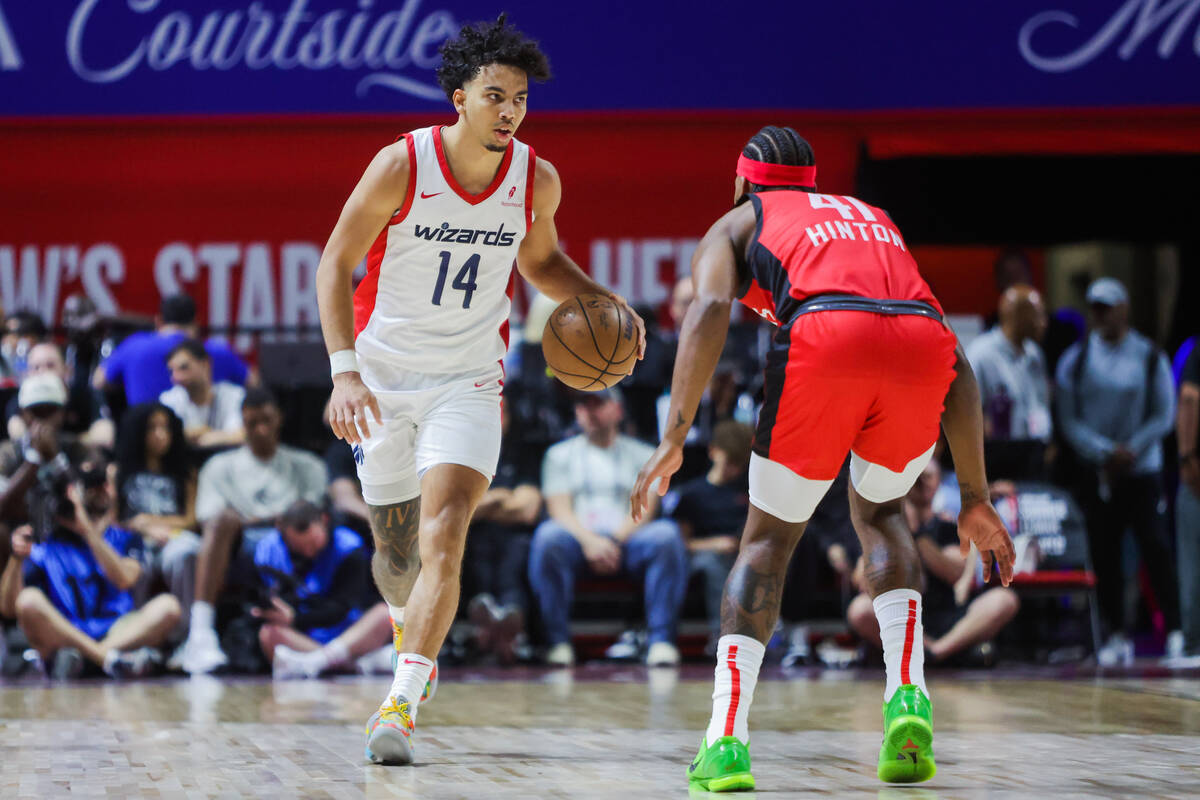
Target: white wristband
x=343, y=361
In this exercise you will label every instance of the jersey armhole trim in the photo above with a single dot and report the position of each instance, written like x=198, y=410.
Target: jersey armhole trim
x=529, y=189
x=411, y=190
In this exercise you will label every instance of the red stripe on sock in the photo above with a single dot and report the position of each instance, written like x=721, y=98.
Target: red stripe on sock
x=736, y=694
x=909, y=630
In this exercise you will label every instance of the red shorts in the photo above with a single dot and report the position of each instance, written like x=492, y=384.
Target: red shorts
x=854, y=380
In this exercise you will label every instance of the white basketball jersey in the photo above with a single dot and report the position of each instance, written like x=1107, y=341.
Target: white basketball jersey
x=438, y=286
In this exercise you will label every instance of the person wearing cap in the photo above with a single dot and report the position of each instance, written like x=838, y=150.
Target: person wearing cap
x=1116, y=403
x=43, y=445
x=139, y=363
x=586, y=482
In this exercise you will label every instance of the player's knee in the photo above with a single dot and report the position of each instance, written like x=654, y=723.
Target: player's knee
x=269, y=635
x=168, y=608
x=1007, y=603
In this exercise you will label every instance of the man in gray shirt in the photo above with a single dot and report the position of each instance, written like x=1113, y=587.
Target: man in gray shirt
x=1116, y=403
x=239, y=495
x=1014, y=386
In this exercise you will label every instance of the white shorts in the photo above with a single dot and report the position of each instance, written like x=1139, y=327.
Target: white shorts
x=782, y=493
x=427, y=420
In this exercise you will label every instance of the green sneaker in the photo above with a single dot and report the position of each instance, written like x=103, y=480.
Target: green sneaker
x=907, y=752
x=723, y=767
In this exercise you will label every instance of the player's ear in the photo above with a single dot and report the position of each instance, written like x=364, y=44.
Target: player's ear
x=740, y=187
x=460, y=100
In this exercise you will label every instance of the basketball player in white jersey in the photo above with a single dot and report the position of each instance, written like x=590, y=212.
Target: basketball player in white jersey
x=441, y=216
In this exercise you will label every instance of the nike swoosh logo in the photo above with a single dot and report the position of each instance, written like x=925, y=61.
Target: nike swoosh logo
x=427, y=196
x=484, y=383
x=410, y=661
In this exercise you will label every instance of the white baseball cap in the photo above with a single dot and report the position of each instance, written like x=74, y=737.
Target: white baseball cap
x=45, y=388
x=1107, y=292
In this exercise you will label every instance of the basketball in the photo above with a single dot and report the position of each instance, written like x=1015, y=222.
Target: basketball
x=590, y=342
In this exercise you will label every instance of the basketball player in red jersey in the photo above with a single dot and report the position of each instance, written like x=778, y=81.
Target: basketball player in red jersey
x=861, y=362
x=441, y=216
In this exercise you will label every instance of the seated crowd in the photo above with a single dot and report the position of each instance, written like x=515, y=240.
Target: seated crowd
x=152, y=518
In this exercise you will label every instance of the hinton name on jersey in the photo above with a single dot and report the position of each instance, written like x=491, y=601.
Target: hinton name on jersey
x=439, y=277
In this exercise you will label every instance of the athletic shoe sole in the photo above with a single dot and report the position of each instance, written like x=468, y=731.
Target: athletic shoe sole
x=911, y=738
x=387, y=745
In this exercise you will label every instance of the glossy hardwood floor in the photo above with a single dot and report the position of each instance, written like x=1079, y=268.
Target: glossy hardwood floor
x=596, y=732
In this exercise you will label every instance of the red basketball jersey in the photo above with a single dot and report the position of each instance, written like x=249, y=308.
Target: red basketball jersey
x=807, y=244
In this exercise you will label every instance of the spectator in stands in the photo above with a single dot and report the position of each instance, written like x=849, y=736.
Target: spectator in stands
x=1014, y=385
x=497, y=557
x=316, y=584
x=211, y=411
x=156, y=498
x=1187, y=511
x=239, y=495
x=83, y=409
x=71, y=591
x=1009, y=364
x=44, y=446
x=711, y=511
x=139, y=364
x=1011, y=268
x=1116, y=403
x=950, y=628
x=22, y=330
x=586, y=481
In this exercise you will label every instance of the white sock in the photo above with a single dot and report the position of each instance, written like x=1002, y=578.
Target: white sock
x=397, y=615
x=203, y=616
x=900, y=629
x=110, y=658
x=412, y=673
x=738, y=660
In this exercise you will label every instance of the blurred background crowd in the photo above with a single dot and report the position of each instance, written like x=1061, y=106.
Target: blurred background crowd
x=169, y=505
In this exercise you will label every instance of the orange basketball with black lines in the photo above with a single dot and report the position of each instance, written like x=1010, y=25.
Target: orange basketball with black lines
x=590, y=342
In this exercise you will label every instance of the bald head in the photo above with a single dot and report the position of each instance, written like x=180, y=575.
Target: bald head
x=1022, y=313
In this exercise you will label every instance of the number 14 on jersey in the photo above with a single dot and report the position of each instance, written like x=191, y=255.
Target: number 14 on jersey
x=464, y=281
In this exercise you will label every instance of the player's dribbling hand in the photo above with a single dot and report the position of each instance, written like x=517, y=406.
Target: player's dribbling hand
x=348, y=408
x=979, y=523
x=638, y=321
x=664, y=463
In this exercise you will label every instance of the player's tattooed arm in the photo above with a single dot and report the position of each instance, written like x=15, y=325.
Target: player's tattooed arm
x=752, y=597
x=397, y=558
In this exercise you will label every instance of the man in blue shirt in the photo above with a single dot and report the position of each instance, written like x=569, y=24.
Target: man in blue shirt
x=316, y=584
x=1116, y=403
x=70, y=592
x=139, y=363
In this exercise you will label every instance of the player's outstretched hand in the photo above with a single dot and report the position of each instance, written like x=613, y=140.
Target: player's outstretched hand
x=979, y=523
x=664, y=463
x=348, y=408
x=641, y=327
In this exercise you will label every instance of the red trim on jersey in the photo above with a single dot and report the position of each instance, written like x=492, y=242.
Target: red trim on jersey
x=736, y=689
x=406, y=206
x=529, y=194
x=909, y=629
x=765, y=174
x=473, y=199
x=368, y=289
x=512, y=285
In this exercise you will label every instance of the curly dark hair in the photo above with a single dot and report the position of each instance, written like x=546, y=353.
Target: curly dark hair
x=131, y=450
x=485, y=43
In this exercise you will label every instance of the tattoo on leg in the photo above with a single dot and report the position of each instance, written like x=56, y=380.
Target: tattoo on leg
x=885, y=570
x=397, y=557
x=751, y=603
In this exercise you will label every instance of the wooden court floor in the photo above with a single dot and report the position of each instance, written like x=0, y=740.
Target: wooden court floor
x=596, y=732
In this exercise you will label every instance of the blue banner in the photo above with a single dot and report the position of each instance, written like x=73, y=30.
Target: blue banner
x=84, y=57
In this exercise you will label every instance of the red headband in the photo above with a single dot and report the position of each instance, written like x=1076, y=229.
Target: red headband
x=764, y=174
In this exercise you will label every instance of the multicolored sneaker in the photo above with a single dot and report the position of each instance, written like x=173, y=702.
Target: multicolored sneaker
x=430, y=685
x=723, y=766
x=389, y=733
x=907, y=752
